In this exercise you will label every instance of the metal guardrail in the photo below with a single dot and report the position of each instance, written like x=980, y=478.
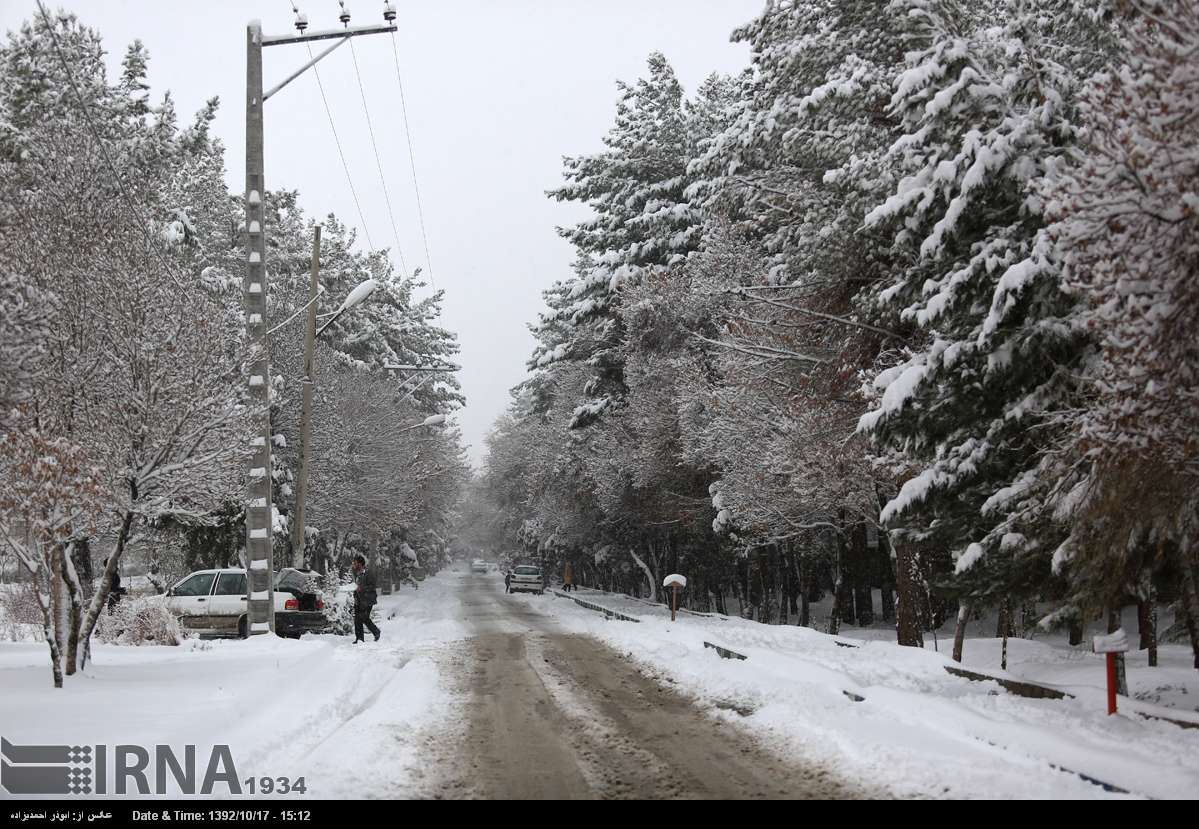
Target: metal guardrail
x=1017, y=687
x=725, y=653
x=607, y=611
x=721, y=616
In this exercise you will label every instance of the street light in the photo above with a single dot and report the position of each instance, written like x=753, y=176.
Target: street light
x=356, y=297
x=431, y=420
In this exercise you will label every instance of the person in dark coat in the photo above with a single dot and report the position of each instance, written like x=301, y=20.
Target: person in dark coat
x=508, y=582
x=115, y=591
x=365, y=596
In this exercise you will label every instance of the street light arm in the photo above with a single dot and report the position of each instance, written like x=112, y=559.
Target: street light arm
x=446, y=367
x=331, y=320
x=320, y=291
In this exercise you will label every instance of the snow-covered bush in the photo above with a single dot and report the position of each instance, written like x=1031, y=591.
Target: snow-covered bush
x=20, y=616
x=339, y=602
x=140, y=621
x=338, y=596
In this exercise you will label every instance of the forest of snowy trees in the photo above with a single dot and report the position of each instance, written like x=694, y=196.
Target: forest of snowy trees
x=908, y=306
x=124, y=424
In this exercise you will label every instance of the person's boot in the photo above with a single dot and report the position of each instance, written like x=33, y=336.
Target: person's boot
x=377, y=635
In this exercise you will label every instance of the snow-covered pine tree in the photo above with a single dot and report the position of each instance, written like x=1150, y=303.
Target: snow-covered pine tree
x=794, y=172
x=642, y=219
x=1126, y=227
x=798, y=158
x=987, y=103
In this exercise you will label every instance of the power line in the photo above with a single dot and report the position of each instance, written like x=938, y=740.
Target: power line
x=342, y=155
x=412, y=160
x=139, y=218
x=378, y=162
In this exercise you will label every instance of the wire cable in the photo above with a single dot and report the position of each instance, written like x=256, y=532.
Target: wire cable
x=140, y=218
x=340, y=153
x=420, y=213
x=378, y=161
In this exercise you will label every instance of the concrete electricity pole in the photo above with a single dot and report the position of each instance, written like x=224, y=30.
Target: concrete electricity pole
x=297, y=541
x=259, y=508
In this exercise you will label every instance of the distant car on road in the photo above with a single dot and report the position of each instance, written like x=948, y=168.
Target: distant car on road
x=479, y=566
x=527, y=579
x=213, y=603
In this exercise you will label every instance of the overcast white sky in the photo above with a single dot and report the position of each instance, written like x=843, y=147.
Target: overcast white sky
x=497, y=92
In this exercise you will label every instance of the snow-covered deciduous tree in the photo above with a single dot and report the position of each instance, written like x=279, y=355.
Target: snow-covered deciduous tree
x=141, y=366
x=52, y=493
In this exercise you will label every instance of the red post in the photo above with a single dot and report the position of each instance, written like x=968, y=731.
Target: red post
x=1111, y=683
x=674, y=600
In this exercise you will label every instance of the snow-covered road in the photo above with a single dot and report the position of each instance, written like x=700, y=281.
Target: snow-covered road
x=553, y=714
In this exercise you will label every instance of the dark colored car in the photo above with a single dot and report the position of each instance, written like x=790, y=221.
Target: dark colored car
x=304, y=608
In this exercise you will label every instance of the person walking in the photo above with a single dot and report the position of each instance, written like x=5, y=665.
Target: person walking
x=508, y=581
x=568, y=578
x=365, y=596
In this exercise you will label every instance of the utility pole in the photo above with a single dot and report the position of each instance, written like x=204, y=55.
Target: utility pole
x=260, y=586
x=260, y=599
x=297, y=545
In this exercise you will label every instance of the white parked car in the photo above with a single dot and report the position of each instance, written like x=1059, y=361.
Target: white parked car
x=528, y=579
x=213, y=603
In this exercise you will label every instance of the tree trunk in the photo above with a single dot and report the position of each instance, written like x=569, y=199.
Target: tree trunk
x=1028, y=619
x=959, y=633
x=47, y=609
x=834, y=619
x=766, y=585
x=907, y=588
x=783, y=577
x=58, y=601
x=1190, y=609
x=1147, y=626
x=887, y=568
x=650, y=575
x=861, y=575
x=83, y=634
x=1075, y=628
x=75, y=592
x=1005, y=627
x=81, y=556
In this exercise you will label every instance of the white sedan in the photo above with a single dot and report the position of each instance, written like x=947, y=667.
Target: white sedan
x=527, y=578
x=213, y=603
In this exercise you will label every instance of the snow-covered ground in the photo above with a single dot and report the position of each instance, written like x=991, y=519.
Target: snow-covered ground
x=917, y=729
x=318, y=707
x=376, y=720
